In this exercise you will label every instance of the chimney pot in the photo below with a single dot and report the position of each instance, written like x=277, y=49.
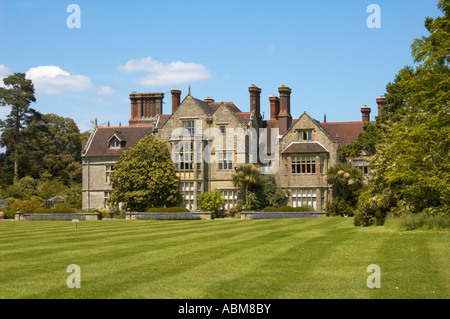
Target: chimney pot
x=381, y=101
x=175, y=99
x=274, y=107
x=209, y=100
x=365, y=110
x=255, y=102
x=284, y=117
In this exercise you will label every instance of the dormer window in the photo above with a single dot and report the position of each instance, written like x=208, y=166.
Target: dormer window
x=116, y=140
x=114, y=143
x=305, y=135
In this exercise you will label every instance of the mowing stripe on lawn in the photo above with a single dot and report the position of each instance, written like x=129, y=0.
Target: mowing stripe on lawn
x=163, y=259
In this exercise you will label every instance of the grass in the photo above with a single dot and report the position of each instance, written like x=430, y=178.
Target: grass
x=277, y=258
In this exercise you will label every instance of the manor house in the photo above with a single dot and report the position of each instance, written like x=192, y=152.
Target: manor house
x=297, y=151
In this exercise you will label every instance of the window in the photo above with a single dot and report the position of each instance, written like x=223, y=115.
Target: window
x=304, y=197
x=108, y=173
x=363, y=166
x=190, y=126
x=322, y=198
x=322, y=165
x=230, y=197
x=185, y=157
x=105, y=199
x=188, y=194
x=114, y=143
x=225, y=161
x=303, y=165
x=305, y=135
x=222, y=129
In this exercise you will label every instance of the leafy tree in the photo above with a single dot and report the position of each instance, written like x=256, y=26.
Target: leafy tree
x=246, y=176
x=345, y=179
x=268, y=193
x=84, y=137
x=211, y=201
x=18, y=93
x=412, y=163
x=51, y=188
x=366, y=144
x=145, y=177
x=53, y=147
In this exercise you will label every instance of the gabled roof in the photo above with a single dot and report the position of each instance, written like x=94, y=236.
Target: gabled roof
x=98, y=146
x=346, y=132
x=204, y=106
x=230, y=105
x=317, y=123
x=304, y=147
x=244, y=117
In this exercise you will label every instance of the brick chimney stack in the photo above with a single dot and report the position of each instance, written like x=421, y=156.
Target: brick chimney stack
x=145, y=106
x=255, y=102
x=209, y=100
x=274, y=107
x=284, y=117
x=176, y=98
x=158, y=97
x=365, y=110
x=381, y=101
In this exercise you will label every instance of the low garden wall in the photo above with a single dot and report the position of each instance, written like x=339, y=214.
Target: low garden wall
x=270, y=215
x=168, y=215
x=62, y=216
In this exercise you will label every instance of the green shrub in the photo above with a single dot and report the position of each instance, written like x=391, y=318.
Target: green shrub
x=211, y=201
x=339, y=207
x=372, y=210
x=26, y=206
x=233, y=211
x=102, y=213
x=270, y=209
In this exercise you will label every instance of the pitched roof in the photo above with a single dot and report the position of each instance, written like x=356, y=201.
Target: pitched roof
x=163, y=119
x=230, y=105
x=99, y=145
x=347, y=132
x=243, y=117
x=205, y=106
x=304, y=147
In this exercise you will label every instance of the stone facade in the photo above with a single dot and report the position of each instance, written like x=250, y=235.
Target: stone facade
x=220, y=138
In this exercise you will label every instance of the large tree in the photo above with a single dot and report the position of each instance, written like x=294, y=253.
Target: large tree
x=18, y=93
x=145, y=177
x=412, y=159
x=53, y=146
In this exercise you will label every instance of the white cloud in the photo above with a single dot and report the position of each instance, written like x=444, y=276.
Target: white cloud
x=105, y=90
x=166, y=73
x=4, y=72
x=54, y=80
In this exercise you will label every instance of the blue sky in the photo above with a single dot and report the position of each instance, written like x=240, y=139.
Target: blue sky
x=323, y=50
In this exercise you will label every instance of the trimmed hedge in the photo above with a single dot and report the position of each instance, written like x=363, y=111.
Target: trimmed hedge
x=54, y=211
x=167, y=216
x=168, y=210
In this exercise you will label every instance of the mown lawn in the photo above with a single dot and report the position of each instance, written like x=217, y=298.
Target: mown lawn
x=277, y=258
